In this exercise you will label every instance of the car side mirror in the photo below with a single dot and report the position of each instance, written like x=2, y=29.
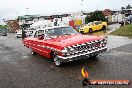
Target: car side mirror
x=40, y=37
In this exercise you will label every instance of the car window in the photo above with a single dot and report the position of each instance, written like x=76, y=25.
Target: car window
x=38, y=33
x=59, y=31
x=91, y=23
x=97, y=23
x=41, y=32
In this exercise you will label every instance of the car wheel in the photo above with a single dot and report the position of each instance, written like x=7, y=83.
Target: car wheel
x=94, y=56
x=90, y=30
x=104, y=27
x=57, y=61
x=33, y=53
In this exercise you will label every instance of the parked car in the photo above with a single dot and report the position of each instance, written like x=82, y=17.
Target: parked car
x=19, y=34
x=3, y=32
x=93, y=26
x=28, y=33
x=64, y=44
x=129, y=19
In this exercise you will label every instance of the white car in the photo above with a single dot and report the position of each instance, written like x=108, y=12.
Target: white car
x=19, y=34
x=28, y=33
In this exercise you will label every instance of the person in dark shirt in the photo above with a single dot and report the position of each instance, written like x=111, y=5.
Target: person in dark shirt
x=56, y=22
x=23, y=34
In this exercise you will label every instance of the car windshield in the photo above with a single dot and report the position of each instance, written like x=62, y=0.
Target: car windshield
x=91, y=23
x=55, y=32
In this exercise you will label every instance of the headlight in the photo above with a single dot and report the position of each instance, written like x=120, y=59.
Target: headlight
x=81, y=29
x=64, y=51
x=105, y=41
x=71, y=49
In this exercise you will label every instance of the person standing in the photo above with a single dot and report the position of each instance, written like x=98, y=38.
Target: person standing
x=23, y=34
x=56, y=22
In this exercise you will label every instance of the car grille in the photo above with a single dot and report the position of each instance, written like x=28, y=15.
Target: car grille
x=85, y=47
x=82, y=32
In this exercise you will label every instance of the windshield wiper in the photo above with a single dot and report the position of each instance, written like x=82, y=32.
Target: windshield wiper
x=67, y=34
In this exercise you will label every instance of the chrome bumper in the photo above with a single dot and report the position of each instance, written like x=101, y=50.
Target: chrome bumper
x=81, y=55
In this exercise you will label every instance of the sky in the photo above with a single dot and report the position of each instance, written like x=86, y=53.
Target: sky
x=10, y=9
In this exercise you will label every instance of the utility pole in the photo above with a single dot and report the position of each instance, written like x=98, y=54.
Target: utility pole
x=97, y=6
x=27, y=10
x=81, y=6
x=17, y=13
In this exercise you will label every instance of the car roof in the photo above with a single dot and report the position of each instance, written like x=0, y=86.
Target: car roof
x=52, y=27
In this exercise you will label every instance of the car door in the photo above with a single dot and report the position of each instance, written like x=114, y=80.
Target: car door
x=39, y=44
x=100, y=25
x=34, y=42
x=95, y=26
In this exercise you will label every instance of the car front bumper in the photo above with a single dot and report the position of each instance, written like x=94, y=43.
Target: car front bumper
x=81, y=55
x=81, y=32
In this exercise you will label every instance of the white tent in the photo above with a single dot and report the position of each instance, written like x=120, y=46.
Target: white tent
x=66, y=20
x=42, y=24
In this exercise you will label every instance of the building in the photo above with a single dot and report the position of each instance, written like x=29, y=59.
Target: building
x=127, y=12
x=26, y=20
x=13, y=25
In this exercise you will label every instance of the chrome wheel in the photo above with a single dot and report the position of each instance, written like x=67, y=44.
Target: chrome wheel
x=90, y=30
x=95, y=55
x=33, y=53
x=57, y=61
x=104, y=27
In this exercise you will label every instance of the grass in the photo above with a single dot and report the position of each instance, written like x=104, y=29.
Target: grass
x=3, y=27
x=123, y=31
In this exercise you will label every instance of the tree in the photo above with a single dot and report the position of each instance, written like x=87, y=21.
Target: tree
x=122, y=8
x=128, y=6
x=95, y=16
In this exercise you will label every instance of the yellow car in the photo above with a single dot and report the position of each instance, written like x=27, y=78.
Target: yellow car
x=93, y=26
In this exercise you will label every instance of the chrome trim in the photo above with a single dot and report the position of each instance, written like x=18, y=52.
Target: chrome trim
x=53, y=49
x=72, y=56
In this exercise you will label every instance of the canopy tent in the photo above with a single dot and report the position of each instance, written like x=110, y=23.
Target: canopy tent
x=42, y=24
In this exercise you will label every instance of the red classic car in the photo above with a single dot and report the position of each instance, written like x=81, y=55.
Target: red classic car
x=64, y=44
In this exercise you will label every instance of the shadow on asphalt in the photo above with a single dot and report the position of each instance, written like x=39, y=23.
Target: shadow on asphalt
x=82, y=62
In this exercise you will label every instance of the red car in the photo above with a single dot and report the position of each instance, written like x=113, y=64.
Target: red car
x=64, y=44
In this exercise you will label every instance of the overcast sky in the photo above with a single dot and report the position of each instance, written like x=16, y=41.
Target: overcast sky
x=9, y=9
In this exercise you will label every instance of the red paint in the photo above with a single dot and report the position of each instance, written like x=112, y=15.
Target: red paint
x=72, y=23
x=58, y=43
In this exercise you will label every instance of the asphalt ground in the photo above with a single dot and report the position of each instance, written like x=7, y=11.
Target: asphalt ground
x=20, y=69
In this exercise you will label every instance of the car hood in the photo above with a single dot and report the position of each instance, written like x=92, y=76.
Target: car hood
x=86, y=27
x=70, y=40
